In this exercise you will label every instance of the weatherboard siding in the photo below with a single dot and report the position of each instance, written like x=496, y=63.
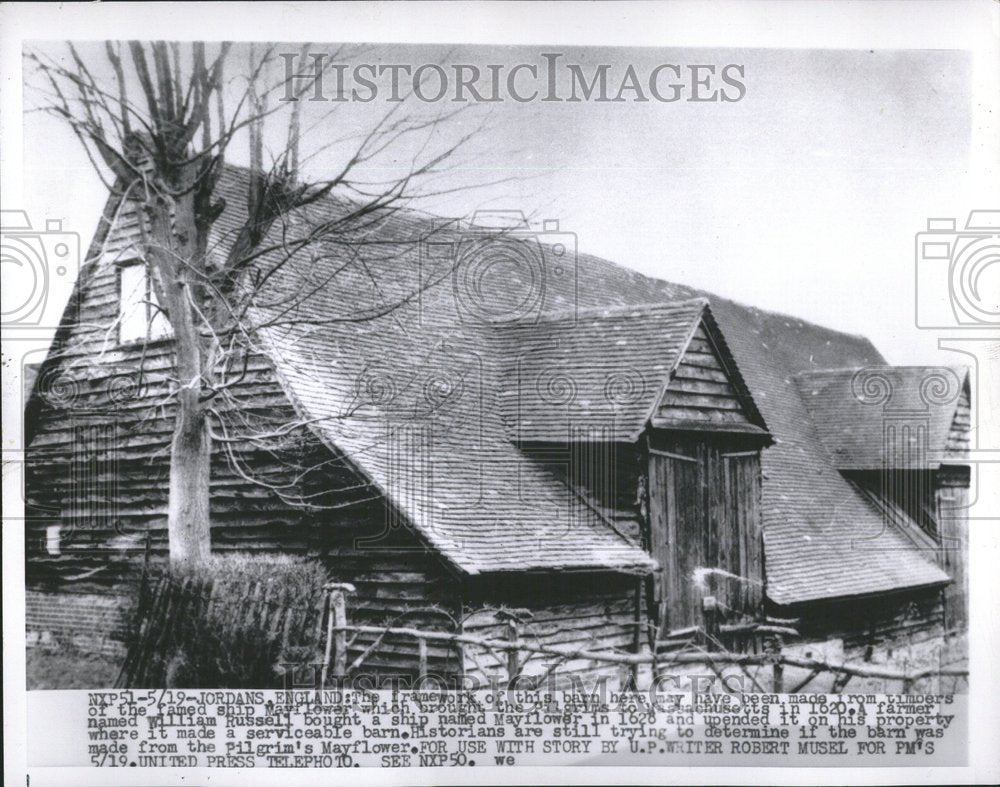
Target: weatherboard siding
x=699, y=389
x=867, y=624
x=574, y=611
x=952, y=504
x=397, y=582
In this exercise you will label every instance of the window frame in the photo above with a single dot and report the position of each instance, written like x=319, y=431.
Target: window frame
x=148, y=302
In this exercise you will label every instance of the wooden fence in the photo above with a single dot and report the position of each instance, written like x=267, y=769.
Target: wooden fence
x=659, y=660
x=332, y=638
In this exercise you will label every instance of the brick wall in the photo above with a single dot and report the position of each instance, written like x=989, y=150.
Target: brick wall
x=89, y=621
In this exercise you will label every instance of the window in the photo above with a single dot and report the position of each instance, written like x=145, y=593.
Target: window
x=139, y=318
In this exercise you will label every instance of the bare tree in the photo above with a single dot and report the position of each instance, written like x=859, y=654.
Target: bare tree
x=161, y=126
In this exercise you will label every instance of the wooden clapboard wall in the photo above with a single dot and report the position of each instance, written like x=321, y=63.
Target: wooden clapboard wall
x=867, y=624
x=585, y=611
x=952, y=502
x=700, y=390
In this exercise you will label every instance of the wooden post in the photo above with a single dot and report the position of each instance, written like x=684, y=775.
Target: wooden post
x=339, y=598
x=513, y=666
x=329, y=643
x=779, y=677
x=775, y=643
x=336, y=634
x=907, y=680
x=710, y=611
x=513, y=619
x=643, y=674
x=422, y=658
x=637, y=612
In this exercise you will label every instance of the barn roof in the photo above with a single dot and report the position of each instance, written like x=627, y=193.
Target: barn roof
x=885, y=416
x=410, y=390
x=600, y=371
x=487, y=506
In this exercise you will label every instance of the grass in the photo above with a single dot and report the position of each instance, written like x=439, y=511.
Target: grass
x=69, y=669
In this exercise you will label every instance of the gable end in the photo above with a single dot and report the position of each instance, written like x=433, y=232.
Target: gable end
x=705, y=391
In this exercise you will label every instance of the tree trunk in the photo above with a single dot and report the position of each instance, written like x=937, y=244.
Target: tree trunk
x=176, y=252
x=190, y=473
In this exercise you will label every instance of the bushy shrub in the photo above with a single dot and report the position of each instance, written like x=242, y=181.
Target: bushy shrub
x=232, y=622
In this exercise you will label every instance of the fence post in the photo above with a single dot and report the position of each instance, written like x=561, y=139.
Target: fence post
x=710, y=612
x=779, y=677
x=336, y=634
x=774, y=645
x=512, y=620
x=907, y=681
x=513, y=667
x=422, y=658
x=643, y=674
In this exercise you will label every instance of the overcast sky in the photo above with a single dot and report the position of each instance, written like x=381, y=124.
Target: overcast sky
x=803, y=197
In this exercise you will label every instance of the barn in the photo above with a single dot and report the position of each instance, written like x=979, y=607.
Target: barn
x=611, y=460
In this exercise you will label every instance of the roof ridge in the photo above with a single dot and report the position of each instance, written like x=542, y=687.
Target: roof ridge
x=900, y=367
x=625, y=310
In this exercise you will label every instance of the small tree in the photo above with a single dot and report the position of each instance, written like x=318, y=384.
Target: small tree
x=161, y=126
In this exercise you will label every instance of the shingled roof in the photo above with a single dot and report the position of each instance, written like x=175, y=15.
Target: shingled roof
x=413, y=395
x=485, y=505
x=822, y=538
x=599, y=372
x=886, y=416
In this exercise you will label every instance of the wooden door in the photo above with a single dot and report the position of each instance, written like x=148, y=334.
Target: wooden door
x=678, y=535
x=704, y=531
x=741, y=542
